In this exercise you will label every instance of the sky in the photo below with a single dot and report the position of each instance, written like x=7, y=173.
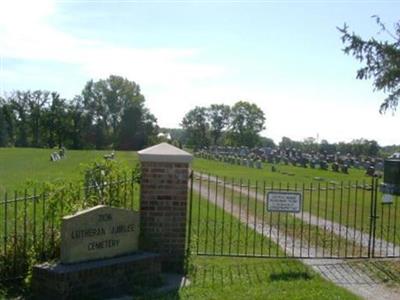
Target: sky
x=284, y=56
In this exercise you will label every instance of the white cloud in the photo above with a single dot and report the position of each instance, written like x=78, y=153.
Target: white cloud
x=26, y=34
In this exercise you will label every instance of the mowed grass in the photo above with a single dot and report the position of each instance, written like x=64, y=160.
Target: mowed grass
x=20, y=165
x=244, y=278
x=286, y=174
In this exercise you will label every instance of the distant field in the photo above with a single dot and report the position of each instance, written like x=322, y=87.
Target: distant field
x=19, y=165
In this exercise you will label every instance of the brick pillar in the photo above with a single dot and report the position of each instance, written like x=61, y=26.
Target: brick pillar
x=163, y=203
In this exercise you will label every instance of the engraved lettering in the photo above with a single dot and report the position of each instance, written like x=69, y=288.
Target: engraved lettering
x=122, y=228
x=90, y=232
x=99, y=245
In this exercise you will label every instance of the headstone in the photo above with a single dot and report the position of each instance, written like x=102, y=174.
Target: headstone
x=370, y=171
x=247, y=161
x=258, y=164
x=99, y=232
x=324, y=165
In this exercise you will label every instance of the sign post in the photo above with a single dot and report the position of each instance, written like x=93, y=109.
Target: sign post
x=278, y=201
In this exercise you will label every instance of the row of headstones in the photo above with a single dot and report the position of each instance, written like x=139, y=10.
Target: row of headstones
x=252, y=162
x=290, y=155
x=234, y=160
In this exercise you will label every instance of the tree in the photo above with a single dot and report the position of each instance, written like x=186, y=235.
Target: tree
x=57, y=121
x=218, y=115
x=326, y=148
x=36, y=101
x=196, y=125
x=118, y=116
x=381, y=59
x=267, y=142
x=3, y=125
x=109, y=113
x=310, y=144
x=138, y=128
x=247, y=120
x=19, y=103
x=364, y=147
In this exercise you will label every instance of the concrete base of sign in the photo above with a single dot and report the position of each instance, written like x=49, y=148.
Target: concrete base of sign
x=97, y=279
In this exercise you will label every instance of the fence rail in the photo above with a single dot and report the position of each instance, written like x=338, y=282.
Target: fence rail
x=30, y=220
x=230, y=217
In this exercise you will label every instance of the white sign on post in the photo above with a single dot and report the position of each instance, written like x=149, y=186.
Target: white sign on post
x=387, y=199
x=284, y=201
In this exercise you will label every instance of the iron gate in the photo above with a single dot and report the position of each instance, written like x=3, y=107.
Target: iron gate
x=229, y=217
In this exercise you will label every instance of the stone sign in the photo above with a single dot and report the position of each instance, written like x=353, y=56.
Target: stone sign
x=99, y=232
x=284, y=201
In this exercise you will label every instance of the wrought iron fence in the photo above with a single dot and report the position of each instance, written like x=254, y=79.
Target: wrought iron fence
x=30, y=221
x=232, y=217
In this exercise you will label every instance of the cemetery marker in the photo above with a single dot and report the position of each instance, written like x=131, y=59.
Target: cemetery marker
x=99, y=232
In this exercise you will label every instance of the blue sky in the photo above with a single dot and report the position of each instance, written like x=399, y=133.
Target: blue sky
x=283, y=55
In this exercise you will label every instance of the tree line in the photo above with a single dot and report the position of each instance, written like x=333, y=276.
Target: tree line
x=109, y=113
x=220, y=124
x=357, y=147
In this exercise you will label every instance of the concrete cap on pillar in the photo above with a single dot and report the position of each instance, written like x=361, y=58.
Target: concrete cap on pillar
x=164, y=152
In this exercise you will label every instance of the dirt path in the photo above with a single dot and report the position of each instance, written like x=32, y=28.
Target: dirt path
x=382, y=247
x=337, y=271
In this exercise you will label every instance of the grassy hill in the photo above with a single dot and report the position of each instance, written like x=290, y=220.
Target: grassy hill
x=20, y=165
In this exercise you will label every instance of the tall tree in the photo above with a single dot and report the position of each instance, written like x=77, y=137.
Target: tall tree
x=36, y=101
x=116, y=104
x=267, y=142
x=3, y=125
x=381, y=60
x=138, y=128
x=196, y=125
x=326, y=148
x=57, y=123
x=218, y=115
x=247, y=121
x=19, y=103
x=80, y=123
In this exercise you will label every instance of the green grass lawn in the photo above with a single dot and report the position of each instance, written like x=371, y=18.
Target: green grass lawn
x=19, y=165
x=284, y=174
x=241, y=278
